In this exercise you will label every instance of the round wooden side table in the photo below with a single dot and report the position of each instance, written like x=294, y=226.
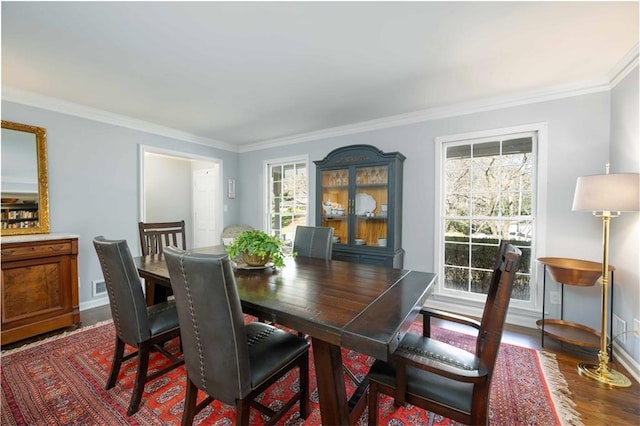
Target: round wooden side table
x=576, y=272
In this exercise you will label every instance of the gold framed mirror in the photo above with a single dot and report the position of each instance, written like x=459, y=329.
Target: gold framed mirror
x=24, y=180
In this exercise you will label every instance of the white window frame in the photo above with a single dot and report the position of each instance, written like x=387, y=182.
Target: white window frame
x=538, y=245
x=267, y=164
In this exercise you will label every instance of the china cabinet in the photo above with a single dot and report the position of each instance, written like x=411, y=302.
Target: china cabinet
x=359, y=195
x=39, y=285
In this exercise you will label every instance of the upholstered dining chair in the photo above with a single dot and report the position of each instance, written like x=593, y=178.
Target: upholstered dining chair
x=154, y=237
x=144, y=328
x=442, y=378
x=229, y=360
x=313, y=241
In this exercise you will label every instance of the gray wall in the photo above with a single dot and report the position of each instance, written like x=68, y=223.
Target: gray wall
x=94, y=180
x=625, y=230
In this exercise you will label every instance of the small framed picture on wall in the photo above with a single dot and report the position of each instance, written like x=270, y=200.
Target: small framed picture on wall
x=231, y=188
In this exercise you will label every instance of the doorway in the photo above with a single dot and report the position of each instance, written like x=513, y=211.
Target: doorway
x=176, y=186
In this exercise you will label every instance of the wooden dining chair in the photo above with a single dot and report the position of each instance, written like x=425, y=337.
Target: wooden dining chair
x=144, y=328
x=227, y=359
x=442, y=378
x=154, y=237
x=313, y=241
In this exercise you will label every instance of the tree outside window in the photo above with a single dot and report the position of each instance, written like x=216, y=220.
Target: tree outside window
x=488, y=197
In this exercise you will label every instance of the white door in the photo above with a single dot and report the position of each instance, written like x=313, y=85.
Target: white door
x=206, y=197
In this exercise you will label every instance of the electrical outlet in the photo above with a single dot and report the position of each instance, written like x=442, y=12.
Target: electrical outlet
x=619, y=329
x=555, y=297
x=636, y=328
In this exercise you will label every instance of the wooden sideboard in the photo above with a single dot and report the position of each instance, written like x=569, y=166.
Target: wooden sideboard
x=39, y=285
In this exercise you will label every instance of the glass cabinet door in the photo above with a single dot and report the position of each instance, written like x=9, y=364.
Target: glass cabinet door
x=336, y=203
x=370, y=210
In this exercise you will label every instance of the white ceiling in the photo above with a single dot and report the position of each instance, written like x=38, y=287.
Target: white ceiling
x=257, y=72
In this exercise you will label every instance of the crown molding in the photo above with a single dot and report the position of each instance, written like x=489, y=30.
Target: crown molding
x=487, y=104
x=65, y=107
x=624, y=67
x=606, y=83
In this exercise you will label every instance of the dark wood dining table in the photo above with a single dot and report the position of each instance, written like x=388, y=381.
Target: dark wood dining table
x=365, y=308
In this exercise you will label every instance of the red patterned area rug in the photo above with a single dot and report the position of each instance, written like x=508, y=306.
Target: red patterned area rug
x=60, y=381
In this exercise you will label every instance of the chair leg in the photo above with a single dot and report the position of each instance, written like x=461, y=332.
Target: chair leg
x=189, y=404
x=304, y=386
x=243, y=411
x=115, y=363
x=480, y=409
x=426, y=326
x=373, y=403
x=141, y=378
x=432, y=417
x=352, y=376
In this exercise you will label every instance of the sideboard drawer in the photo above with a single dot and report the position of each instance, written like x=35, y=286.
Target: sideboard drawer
x=35, y=250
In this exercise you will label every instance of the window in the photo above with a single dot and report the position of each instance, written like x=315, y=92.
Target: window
x=287, y=201
x=488, y=194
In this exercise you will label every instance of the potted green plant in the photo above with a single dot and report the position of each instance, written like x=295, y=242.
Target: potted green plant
x=257, y=248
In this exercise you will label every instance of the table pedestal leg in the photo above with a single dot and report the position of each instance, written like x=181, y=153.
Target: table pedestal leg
x=331, y=387
x=149, y=291
x=155, y=292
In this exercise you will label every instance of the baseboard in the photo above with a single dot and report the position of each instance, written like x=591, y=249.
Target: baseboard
x=624, y=358
x=94, y=303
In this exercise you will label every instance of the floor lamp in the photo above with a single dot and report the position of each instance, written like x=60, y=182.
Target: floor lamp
x=606, y=196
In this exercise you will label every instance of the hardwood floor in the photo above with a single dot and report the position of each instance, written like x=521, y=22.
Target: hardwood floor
x=596, y=404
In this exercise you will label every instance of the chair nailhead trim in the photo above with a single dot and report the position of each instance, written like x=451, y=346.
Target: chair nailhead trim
x=437, y=356
x=262, y=335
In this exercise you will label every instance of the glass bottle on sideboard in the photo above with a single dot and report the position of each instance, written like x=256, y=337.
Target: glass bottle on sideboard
x=359, y=195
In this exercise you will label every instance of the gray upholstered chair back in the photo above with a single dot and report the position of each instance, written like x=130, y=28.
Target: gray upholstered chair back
x=313, y=241
x=128, y=307
x=212, y=328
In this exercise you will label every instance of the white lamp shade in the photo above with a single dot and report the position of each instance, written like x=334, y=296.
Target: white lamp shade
x=618, y=192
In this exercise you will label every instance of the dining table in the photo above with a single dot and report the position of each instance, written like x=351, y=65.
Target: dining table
x=338, y=304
